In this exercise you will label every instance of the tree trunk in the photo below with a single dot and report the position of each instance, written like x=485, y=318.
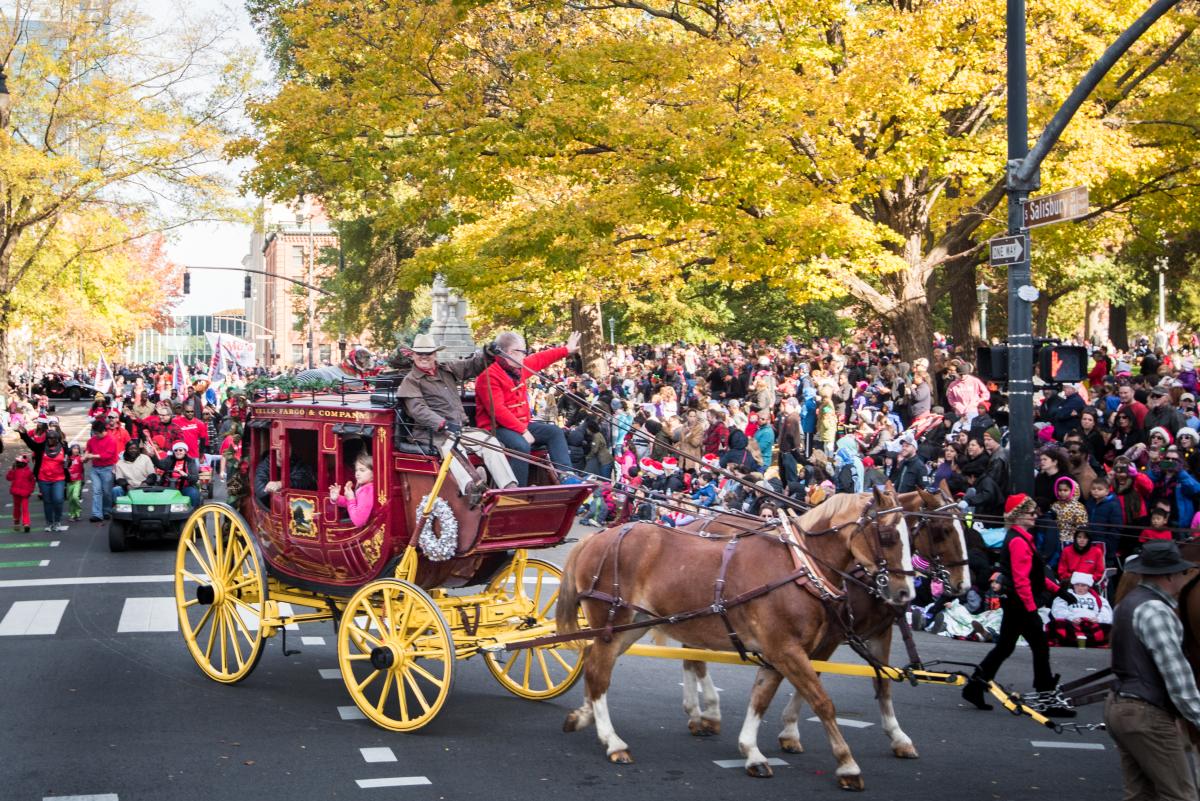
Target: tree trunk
x=4, y=350
x=587, y=319
x=911, y=324
x=1118, y=326
x=1041, y=319
x=964, y=309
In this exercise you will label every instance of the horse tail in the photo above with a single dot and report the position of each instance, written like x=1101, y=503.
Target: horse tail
x=566, y=613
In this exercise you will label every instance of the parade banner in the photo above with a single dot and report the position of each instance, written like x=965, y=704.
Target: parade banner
x=237, y=350
x=104, y=376
x=216, y=369
x=178, y=377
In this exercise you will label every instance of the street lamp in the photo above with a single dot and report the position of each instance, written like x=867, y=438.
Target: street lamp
x=981, y=295
x=612, y=332
x=1160, y=267
x=310, y=266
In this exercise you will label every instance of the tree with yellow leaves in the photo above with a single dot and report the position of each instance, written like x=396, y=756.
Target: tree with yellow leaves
x=110, y=133
x=565, y=154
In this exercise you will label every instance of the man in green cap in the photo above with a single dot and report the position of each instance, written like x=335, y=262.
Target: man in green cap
x=1155, y=686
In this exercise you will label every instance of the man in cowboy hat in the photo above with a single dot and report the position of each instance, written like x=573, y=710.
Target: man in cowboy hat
x=431, y=397
x=1155, y=686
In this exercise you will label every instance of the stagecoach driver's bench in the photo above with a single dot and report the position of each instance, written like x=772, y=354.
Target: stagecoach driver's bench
x=431, y=397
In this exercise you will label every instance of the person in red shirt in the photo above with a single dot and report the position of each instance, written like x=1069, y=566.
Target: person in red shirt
x=102, y=452
x=112, y=422
x=22, y=484
x=52, y=479
x=1082, y=556
x=1027, y=586
x=191, y=430
x=502, y=403
x=1160, y=517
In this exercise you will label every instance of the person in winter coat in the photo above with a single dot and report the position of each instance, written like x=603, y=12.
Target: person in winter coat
x=599, y=455
x=1105, y=519
x=1065, y=416
x=764, y=435
x=738, y=454
x=691, y=440
x=1082, y=555
x=716, y=437
x=21, y=485
x=1068, y=511
x=1026, y=588
x=827, y=419
x=180, y=471
x=1175, y=486
x=1080, y=613
x=910, y=470
x=850, y=471
x=132, y=470
x=75, y=483
x=52, y=472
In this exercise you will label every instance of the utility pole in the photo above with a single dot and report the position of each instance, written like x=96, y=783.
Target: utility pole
x=1023, y=177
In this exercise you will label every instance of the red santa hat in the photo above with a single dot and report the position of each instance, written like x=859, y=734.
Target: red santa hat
x=651, y=467
x=1018, y=505
x=710, y=459
x=670, y=464
x=181, y=444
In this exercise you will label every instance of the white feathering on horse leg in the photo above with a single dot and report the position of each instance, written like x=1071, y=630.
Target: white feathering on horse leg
x=711, y=701
x=604, y=727
x=691, y=698
x=789, y=737
x=748, y=742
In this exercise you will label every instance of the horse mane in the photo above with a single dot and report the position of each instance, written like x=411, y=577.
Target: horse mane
x=825, y=515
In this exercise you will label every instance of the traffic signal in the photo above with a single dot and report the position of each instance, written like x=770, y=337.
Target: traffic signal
x=1062, y=364
x=991, y=363
x=246, y=288
x=187, y=282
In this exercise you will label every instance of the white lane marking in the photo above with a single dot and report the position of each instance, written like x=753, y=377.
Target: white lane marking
x=102, y=797
x=73, y=582
x=312, y=640
x=148, y=614
x=44, y=563
x=330, y=673
x=1057, y=744
x=847, y=722
x=396, y=781
x=54, y=543
x=32, y=617
x=377, y=754
x=350, y=713
x=741, y=763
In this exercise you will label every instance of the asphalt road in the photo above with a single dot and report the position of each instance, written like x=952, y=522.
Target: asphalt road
x=106, y=703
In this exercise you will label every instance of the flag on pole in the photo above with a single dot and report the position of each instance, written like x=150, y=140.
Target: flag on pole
x=178, y=379
x=104, y=376
x=216, y=370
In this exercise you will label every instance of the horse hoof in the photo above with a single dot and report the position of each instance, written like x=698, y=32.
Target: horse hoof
x=791, y=746
x=709, y=727
x=908, y=751
x=572, y=722
x=697, y=729
x=759, y=771
x=851, y=783
x=620, y=758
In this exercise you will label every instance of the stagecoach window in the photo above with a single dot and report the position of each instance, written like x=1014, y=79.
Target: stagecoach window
x=302, y=450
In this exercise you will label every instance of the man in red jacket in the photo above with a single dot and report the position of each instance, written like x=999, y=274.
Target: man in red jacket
x=502, y=403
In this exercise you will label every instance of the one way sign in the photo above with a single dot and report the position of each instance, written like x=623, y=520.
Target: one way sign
x=1008, y=250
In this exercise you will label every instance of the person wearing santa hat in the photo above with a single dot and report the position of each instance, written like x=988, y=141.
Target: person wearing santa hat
x=1026, y=587
x=1085, y=619
x=180, y=471
x=672, y=478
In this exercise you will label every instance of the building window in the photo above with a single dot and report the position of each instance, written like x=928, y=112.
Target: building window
x=325, y=354
x=297, y=354
x=298, y=258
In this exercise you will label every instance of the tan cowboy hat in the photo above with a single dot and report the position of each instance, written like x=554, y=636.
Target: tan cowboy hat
x=424, y=344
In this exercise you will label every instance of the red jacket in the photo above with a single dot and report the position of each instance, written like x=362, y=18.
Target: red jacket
x=22, y=481
x=502, y=402
x=1020, y=554
x=1090, y=561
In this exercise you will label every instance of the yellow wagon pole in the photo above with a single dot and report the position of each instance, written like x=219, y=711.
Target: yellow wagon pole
x=406, y=568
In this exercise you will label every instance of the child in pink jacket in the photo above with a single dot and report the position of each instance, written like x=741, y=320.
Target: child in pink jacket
x=361, y=501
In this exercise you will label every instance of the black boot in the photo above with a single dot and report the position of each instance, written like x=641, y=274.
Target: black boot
x=974, y=691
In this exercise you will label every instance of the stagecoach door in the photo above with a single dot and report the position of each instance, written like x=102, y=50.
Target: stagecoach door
x=298, y=504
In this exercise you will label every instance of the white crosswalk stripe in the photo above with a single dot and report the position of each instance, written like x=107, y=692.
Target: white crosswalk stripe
x=32, y=617
x=148, y=614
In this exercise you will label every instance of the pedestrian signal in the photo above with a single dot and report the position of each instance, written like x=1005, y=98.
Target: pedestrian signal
x=991, y=363
x=187, y=282
x=1063, y=364
x=246, y=288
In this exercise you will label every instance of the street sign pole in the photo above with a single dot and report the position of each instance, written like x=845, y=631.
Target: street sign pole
x=1020, y=311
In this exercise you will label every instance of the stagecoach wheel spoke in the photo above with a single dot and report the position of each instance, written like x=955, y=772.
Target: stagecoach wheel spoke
x=411, y=627
x=508, y=587
x=220, y=583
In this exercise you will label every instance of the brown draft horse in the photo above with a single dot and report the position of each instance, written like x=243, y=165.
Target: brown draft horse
x=668, y=573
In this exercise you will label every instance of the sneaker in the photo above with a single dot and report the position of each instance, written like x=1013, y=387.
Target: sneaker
x=49, y=528
x=60, y=527
x=94, y=519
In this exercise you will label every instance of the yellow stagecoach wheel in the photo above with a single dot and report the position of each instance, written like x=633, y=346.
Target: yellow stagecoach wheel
x=535, y=673
x=396, y=654
x=220, y=588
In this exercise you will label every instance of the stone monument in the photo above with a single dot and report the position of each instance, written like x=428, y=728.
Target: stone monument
x=449, y=325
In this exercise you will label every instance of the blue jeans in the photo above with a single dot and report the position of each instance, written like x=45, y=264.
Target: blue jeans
x=193, y=495
x=545, y=435
x=102, y=486
x=54, y=495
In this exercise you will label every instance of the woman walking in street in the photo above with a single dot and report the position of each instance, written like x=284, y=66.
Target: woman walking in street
x=1026, y=587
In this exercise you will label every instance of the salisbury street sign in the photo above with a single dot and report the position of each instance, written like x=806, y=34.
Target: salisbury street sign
x=1065, y=205
x=1004, y=251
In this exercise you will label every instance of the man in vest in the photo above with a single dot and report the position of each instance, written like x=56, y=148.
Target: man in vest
x=1154, y=686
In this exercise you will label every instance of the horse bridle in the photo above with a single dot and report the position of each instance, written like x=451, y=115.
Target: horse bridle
x=884, y=537
x=939, y=569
